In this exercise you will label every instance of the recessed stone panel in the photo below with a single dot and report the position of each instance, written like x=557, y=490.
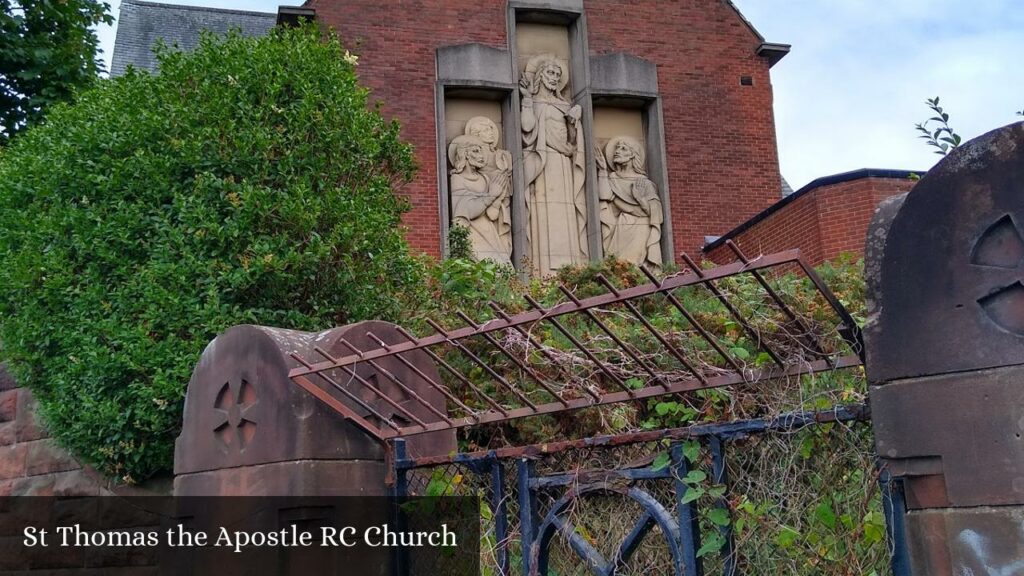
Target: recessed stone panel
x=458, y=111
x=533, y=39
x=631, y=206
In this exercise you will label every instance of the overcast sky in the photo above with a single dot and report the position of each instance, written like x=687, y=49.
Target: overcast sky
x=854, y=85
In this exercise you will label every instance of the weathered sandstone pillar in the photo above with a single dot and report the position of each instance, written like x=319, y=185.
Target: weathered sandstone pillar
x=945, y=356
x=249, y=430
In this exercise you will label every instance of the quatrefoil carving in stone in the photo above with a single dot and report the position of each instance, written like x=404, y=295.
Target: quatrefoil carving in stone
x=1002, y=246
x=235, y=427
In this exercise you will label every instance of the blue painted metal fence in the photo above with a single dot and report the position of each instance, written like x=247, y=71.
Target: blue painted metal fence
x=668, y=516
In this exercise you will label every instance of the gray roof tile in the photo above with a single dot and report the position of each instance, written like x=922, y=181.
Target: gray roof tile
x=141, y=24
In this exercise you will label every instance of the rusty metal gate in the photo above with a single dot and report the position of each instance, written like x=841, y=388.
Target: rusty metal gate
x=675, y=481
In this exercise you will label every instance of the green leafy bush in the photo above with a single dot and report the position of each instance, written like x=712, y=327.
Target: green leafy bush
x=248, y=182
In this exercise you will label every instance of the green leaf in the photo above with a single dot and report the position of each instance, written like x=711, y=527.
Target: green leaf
x=692, y=493
x=661, y=461
x=634, y=383
x=695, y=477
x=824, y=514
x=712, y=543
x=806, y=447
x=691, y=450
x=718, y=516
x=740, y=353
x=663, y=408
x=874, y=527
x=786, y=537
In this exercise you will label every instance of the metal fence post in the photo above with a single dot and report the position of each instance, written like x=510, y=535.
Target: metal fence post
x=719, y=476
x=499, y=508
x=689, y=524
x=400, y=491
x=527, y=512
x=894, y=506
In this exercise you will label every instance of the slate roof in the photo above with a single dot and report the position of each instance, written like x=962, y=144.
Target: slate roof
x=142, y=23
x=786, y=188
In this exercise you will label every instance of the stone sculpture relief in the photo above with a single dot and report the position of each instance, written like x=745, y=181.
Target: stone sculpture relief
x=553, y=167
x=498, y=170
x=631, y=210
x=481, y=194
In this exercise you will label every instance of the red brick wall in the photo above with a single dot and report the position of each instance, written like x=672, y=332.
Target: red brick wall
x=822, y=222
x=720, y=136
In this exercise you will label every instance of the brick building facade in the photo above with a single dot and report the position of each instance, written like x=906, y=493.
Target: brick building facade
x=711, y=99
x=712, y=73
x=824, y=219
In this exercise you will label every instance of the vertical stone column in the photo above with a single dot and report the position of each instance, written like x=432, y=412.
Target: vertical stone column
x=250, y=431
x=945, y=356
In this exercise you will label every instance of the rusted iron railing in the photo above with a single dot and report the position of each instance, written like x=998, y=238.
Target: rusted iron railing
x=632, y=376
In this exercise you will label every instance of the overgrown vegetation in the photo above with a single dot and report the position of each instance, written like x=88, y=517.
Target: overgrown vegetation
x=798, y=503
x=942, y=136
x=247, y=182
x=464, y=285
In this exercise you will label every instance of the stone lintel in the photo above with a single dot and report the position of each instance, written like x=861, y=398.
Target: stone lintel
x=623, y=74
x=295, y=478
x=474, y=65
x=555, y=6
x=957, y=439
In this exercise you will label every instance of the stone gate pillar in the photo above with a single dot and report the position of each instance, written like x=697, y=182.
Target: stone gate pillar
x=945, y=356
x=250, y=431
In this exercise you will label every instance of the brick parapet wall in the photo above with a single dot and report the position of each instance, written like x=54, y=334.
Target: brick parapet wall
x=719, y=135
x=823, y=222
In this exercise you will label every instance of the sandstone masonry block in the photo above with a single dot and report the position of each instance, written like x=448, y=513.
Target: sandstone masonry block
x=12, y=461
x=8, y=405
x=29, y=425
x=45, y=456
x=8, y=433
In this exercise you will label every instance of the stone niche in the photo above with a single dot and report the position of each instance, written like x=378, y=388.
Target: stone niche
x=479, y=176
x=534, y=39
x=555, y=108
x=554, y=148
x=249, y=430
x=632, y=208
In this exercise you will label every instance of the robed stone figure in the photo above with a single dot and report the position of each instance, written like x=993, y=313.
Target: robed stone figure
x=631, y=210
x=479, y=198
x=553, y=166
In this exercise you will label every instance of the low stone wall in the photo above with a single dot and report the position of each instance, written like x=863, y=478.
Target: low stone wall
x=31, y=462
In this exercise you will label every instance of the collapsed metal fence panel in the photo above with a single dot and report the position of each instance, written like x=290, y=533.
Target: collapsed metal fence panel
x=686, y=492
x=619, y=371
